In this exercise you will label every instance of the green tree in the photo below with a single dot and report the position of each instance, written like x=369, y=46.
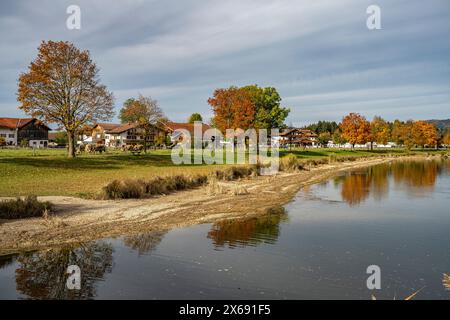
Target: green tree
x=268, y=111
x=324, y=137
x=124, y=115
x=61, y=138
x=146, y=112
x=338, y=138
x=195, y=117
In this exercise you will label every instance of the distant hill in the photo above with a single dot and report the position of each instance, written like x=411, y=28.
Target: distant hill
x=441, y=124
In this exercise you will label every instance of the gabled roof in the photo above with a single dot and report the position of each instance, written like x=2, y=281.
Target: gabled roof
x=17, y=123
x=107, y=126
x=123, y=127
x=186, y=126
x=305, y=132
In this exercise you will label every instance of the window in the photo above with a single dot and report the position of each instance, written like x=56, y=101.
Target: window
x=12, y=135
x=3, y=135
x=41, y=142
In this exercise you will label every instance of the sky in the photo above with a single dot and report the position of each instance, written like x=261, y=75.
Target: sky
x=319, y=55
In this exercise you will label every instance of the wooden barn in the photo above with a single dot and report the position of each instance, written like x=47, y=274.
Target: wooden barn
x=295, y=137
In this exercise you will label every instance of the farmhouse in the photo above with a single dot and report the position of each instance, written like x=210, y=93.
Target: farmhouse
x=177, y=130
x=118, y=135
x=296, y=137
x=99, y=132
x=16, y=130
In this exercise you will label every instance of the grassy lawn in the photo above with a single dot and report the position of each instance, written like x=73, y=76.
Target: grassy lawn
x=49, y=172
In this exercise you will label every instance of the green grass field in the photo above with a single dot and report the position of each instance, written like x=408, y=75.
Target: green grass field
x=49, y=172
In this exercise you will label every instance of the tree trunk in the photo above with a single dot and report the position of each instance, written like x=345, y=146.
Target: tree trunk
x=371, y=145
x=71, y=141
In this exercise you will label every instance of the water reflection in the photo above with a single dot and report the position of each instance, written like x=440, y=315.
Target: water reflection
x=42, y=275
x=248, y=231
x=417, y=177
x=146, y=242
x=6, y=261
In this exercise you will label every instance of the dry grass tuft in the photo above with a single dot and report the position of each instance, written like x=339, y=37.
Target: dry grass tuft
x=24, y=208
x=135, y=189
x=446, y=281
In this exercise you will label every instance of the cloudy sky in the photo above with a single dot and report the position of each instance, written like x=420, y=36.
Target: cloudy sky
x=318, y=54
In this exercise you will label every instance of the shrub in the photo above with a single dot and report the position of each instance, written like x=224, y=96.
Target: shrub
x=135, y=189
x=290, y=163
x=23, y=208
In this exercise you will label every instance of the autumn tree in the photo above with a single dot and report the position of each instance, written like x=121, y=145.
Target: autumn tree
x=146, y=112
x=379, y=131
x=62, y=86
x=355, y=129
x=424, y=133
x=124, y=115
x=446, y=139
x=233, y=108
x=402, y=133
x=195, y=117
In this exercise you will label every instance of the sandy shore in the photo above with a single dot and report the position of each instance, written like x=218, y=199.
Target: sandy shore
x=76, y=220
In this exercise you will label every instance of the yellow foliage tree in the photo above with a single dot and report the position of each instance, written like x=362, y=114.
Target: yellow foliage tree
x=355, y=129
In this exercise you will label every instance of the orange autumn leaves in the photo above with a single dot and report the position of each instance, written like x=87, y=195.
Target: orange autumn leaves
x=233, y=108
x=357, y=130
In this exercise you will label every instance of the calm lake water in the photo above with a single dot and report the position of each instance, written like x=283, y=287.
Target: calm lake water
x=394, y=215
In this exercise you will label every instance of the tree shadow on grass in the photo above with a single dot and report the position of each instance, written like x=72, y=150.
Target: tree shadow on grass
x=105, y=162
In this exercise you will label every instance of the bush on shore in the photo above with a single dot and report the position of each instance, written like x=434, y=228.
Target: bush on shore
x=23, y=208
x=135, y=189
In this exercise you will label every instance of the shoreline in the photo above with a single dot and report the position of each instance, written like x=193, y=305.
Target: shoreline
x=77, y=220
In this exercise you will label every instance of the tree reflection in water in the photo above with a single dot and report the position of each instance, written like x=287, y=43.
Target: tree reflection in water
x=247, y=232
x=42, y=275
x=6, y=261
x=146, y=242
x=418, y=177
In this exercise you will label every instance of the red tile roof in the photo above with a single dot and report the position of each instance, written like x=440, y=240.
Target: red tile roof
x=123, y=127
x=108, y=126
x=186, y=126
x=13, y=123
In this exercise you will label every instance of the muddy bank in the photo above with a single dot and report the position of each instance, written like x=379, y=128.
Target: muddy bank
x=77, y=220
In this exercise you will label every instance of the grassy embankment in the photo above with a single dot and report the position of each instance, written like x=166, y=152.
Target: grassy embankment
x=48, y=172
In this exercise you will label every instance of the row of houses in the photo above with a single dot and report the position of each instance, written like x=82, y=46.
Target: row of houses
x=36, y=134
x=17, y=131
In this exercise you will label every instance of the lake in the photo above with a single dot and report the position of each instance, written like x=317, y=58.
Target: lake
x=394, y=215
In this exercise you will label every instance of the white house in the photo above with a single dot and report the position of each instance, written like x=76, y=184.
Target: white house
x=16, y=130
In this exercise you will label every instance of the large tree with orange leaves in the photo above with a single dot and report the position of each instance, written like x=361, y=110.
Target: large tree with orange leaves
x=379, y=131
x=62, y=86
x=424, y=133
x=355, y=129
x=233, y=108
x=446, y=138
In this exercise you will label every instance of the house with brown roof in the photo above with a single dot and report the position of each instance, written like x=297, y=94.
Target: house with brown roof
x=99, y=132
x=132, y=133
x=178, y=130
x=16, y=130
x=295, y=137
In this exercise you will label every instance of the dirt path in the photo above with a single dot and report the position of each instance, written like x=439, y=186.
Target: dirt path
x=77, y=220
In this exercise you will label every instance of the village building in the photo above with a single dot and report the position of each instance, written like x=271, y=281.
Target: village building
x=119, y=135
x=178, y=131
x=295, y=137
x=31, y=130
